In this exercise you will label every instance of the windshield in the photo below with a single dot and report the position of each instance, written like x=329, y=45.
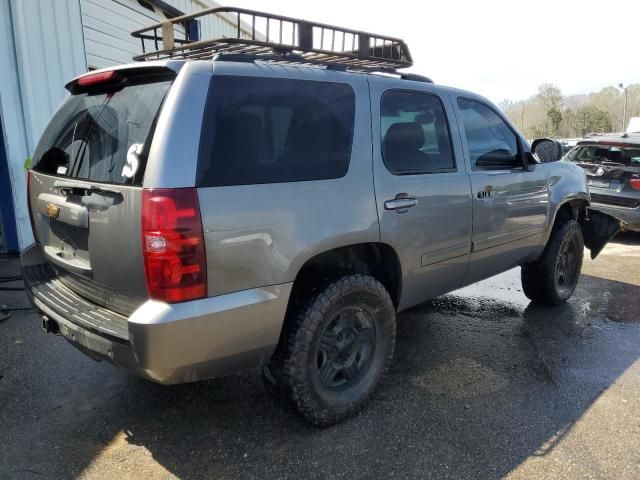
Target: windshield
x=102, y=137
x=605, y=154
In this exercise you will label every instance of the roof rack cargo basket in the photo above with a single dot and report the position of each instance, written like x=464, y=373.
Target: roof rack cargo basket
x=257, y=33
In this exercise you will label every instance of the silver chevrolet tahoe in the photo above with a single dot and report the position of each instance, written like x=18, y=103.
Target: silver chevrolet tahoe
x=195, y=218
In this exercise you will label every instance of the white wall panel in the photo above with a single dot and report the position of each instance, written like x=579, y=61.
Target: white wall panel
x=42, y=49
x=108, y=25
x=107, y=28
x=50, y=52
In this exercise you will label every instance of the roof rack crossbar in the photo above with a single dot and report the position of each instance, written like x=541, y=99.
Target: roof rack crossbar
x=293, y=59
x=282, y=35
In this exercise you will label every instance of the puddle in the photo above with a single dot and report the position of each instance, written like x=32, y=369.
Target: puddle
x=461, y=378
x=482, y=308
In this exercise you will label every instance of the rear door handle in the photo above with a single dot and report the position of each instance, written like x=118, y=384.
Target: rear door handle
x=400, y=204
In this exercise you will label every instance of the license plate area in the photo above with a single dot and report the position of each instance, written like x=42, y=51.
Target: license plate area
x=598, y=183
x=92, y=345
x=69, y=244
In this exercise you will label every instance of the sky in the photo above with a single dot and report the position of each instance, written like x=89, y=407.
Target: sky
x=499, y=49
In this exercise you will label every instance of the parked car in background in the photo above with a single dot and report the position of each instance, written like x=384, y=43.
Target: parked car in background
x=568, y=144
x=612, y=165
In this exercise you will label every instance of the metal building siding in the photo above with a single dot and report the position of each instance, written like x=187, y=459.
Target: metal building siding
x=108, y=24
x=42, y=48
x=49, y=52
x=210, y=27
x=107, y=29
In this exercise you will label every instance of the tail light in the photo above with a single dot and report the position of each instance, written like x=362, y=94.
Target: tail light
x=173, y=244
x=97, y=82
x=96, y=78
x=635, y=183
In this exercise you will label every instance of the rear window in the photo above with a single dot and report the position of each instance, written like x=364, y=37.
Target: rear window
x=269, y=130
x=103, y=137
x=602, y=153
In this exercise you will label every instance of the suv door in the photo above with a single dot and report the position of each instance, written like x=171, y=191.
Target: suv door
x=423, y=192
x=510, y=202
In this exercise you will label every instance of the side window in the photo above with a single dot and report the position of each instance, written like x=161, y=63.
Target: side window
x=272, y=130
x=492, y=144
x=415, y=134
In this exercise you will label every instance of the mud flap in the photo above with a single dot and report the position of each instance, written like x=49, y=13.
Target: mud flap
x=598, y=229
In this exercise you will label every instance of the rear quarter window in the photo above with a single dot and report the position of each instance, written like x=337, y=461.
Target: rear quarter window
x=269, y=130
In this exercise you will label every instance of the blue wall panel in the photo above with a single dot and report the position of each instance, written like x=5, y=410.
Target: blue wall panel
x=7, y=212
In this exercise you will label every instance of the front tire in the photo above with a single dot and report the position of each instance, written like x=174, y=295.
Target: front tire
x=337, y=349
x=552, y=279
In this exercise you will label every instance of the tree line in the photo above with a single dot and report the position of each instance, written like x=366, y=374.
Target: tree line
x=549, y=113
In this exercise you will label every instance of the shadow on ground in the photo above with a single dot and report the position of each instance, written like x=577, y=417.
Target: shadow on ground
x=481, y=381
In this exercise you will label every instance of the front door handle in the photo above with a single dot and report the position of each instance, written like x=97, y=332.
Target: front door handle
x=400, y=204
x=488, y=192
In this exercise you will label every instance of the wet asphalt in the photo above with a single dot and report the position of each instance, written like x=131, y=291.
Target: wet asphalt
x=484, y=385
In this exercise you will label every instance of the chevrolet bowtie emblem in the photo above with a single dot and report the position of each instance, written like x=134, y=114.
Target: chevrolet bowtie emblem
x=53, y=210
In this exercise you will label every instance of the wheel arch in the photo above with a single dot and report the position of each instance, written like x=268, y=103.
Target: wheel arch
x=597, y=227
x=567, y=183
x=376, y=259
x=573, y=206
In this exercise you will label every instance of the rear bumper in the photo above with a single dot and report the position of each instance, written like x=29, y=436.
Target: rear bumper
x=167, y=343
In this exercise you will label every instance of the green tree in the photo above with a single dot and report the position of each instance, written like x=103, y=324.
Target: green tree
x=549, y=113
x=554, y=120
x=551, y=99
x=550, y=96
x=589, y=118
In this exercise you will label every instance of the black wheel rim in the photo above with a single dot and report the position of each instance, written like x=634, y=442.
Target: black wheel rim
x=345, y=349
x=567, y=266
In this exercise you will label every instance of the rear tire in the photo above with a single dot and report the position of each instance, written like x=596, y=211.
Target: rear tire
x=336, y=350
x=552, y=279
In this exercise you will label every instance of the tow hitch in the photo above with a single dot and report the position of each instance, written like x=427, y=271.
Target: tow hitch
x=50, y=326
x=598, y=229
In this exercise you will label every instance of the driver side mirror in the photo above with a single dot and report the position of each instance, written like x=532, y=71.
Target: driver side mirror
x=547, y=150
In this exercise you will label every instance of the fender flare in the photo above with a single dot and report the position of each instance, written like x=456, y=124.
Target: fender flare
x=571, y=197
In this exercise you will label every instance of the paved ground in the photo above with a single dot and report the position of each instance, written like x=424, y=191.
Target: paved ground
x=484, y=385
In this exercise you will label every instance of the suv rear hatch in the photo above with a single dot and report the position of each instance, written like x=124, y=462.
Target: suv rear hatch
x=85, y=186
x=613, y=171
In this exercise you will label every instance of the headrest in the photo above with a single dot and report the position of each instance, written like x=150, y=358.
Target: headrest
x=409, y=134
